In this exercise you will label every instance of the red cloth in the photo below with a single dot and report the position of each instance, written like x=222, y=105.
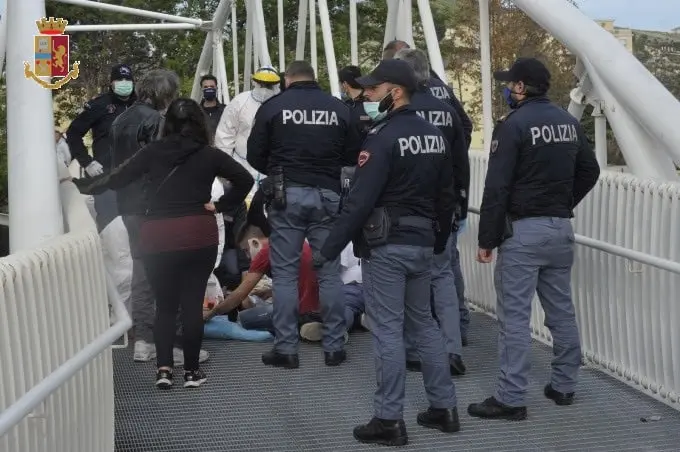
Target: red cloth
x=178, y=234
x=308, y=287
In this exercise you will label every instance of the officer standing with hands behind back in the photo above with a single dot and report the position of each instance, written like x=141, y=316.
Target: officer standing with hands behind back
x=402, y=204
x=301, y=139
x=540, y=168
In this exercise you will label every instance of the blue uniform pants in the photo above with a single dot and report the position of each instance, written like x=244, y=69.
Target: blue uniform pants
x=537, y=259
x=354, y=303
x=309, y=214
x=445, y=304
x=396, y=282
x=464, y=312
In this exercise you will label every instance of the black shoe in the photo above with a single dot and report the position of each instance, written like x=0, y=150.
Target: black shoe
x=164, y=379
x=288, y=361
x=457, y=366
x=493, y=409
x=414, y=366
x=559, y=398
x=194, y=378
x=380, y=431
x=440, y=418
x=335, y=358
x=464, y=340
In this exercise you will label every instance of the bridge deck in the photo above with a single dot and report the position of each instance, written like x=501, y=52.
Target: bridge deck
x=246, y=406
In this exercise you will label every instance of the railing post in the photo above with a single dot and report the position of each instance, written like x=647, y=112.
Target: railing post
x=34, y=204
x=600, y=136
x=485, y=44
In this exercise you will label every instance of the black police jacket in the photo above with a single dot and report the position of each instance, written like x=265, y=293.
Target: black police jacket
x=403, y=166
x=132, y=130
x=444, y=117
x=359, y=116
x=97, y=115
x=540, y=165
x=308, y=133
x=214, y=114
x=443, y=92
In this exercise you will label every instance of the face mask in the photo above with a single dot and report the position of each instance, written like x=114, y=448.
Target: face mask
x=209, y=93
x=261, y=94
x=123, y=88
x=386, y=103
x=373, y=112
x=344, y=96
x=507, y=95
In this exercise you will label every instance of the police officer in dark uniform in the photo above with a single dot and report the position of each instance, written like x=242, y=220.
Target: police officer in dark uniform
x=97, y=115
x=353, y=95
x=401, y=204
x=540, y=168
x=301, y=138
x=444, y=296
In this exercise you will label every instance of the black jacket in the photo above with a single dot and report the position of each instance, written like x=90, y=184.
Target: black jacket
x=540, y=165
x=178, y=173
x=359, y=116
x=97, y=115
x=135, y=128
x=443, y=92
x=307, y=132
x=214, y=114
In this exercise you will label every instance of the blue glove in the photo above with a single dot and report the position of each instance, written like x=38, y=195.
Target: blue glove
x=461, y=226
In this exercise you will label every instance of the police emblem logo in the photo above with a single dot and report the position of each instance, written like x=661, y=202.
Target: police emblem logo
x=111, y=108
x=494, y=146
x=51, y=55
x=363, y=158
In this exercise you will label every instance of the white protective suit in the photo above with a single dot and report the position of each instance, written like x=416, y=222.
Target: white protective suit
x=213, y=291
x=235, y=124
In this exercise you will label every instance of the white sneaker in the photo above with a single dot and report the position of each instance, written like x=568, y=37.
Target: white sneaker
x=364, y=321
x=311, y=331
x=144, y=351
x=178, y=356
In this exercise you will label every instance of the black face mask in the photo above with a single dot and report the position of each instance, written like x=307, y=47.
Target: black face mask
x=386, y=103
x=209, y=93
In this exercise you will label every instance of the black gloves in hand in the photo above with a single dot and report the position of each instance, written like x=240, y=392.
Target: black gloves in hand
x=318, y=260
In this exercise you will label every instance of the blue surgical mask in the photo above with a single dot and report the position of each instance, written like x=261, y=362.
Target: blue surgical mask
x=123, y=88
x=507, y=94
x=372, y=109
x=209, y=93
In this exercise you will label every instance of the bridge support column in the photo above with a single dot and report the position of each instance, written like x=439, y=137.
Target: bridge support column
x=34, y=204
x=487, y=99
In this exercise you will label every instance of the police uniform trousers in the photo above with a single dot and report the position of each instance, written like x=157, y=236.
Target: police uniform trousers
x=309, y=214
x=445, y=304
x=396, y=281
x=463, y=311
x=537, y=259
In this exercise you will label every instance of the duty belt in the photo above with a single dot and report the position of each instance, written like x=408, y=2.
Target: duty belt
x=413, y=221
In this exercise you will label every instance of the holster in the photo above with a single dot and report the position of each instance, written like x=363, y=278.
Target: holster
x=346, y=178
x=267, y=188
x=279, y=189
x=377, y=228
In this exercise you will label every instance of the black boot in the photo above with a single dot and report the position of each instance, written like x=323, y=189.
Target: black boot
x=457, y=366
x=559, y=398
x=493, y=409
x=440, y=418
x=381, y=431
x=276, y=359
x=335, y=358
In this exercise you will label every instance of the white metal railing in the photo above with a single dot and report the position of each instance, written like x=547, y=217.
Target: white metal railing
x=625, y=280
x=55, y=338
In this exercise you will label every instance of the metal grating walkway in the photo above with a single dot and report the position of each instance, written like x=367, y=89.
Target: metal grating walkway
x=246, y=406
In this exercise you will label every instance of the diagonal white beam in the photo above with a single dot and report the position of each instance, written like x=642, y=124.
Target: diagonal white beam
x=131, y=11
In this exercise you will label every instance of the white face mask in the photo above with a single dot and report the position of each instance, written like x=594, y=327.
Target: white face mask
x=261, y=94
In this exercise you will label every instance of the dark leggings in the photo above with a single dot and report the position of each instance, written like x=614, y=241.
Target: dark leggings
x=179, y=278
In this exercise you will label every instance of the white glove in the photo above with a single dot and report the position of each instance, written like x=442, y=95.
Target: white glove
x=94, y=169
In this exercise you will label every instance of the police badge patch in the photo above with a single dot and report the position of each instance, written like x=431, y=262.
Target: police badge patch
x=494, y=146
x=111, y=108
x=363, y=158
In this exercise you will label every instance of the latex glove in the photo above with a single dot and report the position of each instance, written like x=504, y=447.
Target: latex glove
x=318, y=260
x=94, y=169
x=461, y=226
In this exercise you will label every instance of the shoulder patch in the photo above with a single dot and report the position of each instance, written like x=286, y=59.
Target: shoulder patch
x=111, y=108
x=363, y=158
x=494, y=146
x=376, y=129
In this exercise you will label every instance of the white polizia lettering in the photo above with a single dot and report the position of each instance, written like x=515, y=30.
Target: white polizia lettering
x=437, y=118
x=440, y=92
x=422, y=144
x=310, y=117
x=554, y=133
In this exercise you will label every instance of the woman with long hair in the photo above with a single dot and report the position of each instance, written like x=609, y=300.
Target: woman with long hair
x=178, y=236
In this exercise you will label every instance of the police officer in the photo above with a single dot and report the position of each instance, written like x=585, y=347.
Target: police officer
x=439, y=89
x=97, y=115
x=353, y=95
x=301, y=139
x=444, y=296
x=401, y=203
x=540, y=167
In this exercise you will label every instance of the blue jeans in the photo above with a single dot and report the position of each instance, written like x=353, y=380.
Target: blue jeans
x=258, y=318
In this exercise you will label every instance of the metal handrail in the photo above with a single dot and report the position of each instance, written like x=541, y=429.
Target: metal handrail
x=637, y=256
x=29, y=401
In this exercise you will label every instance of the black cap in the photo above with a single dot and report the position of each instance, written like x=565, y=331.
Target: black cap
x=398, y=72
x=528, y=70
x=349, y=75
x=121, y=72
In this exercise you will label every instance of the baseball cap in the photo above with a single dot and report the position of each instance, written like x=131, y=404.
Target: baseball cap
x=121, y=72
x=528, y=70
x=398, y=72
